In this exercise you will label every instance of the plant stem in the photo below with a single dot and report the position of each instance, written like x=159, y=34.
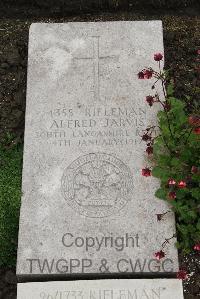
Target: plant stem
x=166, y=116
x=167, y=240
x=188, y=135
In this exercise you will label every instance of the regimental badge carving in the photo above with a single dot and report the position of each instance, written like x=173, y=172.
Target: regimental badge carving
x=97, y=185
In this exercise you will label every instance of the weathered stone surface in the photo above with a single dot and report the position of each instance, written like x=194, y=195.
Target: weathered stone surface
x=103, y=289
x=86, y=207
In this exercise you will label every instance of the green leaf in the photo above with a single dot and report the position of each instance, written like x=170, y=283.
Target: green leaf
x=170, y=88
x=198, y=225
x=192, y=214
x=178, y=245
x=160, y=193
x=181, y=193
x=176, y=105
x=196, y=193
x=175, y=162
x=164, y=160
x=157, y=172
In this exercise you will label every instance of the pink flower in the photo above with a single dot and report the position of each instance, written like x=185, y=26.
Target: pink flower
x=167, y=106
x=194, y=120
x=182, y=274
x=150, y=100
x=146, y=137
x=197, y=131
x=171, y=182
x=182, y=184
x=198, y=52
x=147, y=74
x=197, y=247
x=158, y=56
x=149, y=150
x=172, y=195
x=146, y=172
x=194, y=169
x=159, y=255
x=159, y=217
x=141, y=75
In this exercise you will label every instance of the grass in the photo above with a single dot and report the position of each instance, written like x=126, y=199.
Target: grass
x=10, y=196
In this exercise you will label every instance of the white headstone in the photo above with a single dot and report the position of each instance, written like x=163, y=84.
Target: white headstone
x=86, y=208
x=103, y=289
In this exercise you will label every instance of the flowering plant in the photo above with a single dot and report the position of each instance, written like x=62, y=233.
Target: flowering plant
x=174, y=153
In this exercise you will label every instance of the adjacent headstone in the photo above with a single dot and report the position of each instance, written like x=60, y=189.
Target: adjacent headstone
x=86, y=208
x=103, y=289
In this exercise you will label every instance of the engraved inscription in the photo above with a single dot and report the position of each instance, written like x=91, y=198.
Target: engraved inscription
x=143, y=293
x=97, y=185
x=93, y=126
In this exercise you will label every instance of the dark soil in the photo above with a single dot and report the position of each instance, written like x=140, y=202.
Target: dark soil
x=52, y=8
x=181, y=39
x=8, y=284
x=191, y=263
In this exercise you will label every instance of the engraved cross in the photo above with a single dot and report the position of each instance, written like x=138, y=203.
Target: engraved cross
x=96, y=58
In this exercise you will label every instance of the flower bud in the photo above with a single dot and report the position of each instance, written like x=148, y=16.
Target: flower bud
x=172, y=195
x=158, y=56
x=182, y=184
x=146, y=172
x=159, y=255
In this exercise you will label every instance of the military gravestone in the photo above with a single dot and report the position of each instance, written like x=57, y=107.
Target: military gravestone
x=86, y=207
